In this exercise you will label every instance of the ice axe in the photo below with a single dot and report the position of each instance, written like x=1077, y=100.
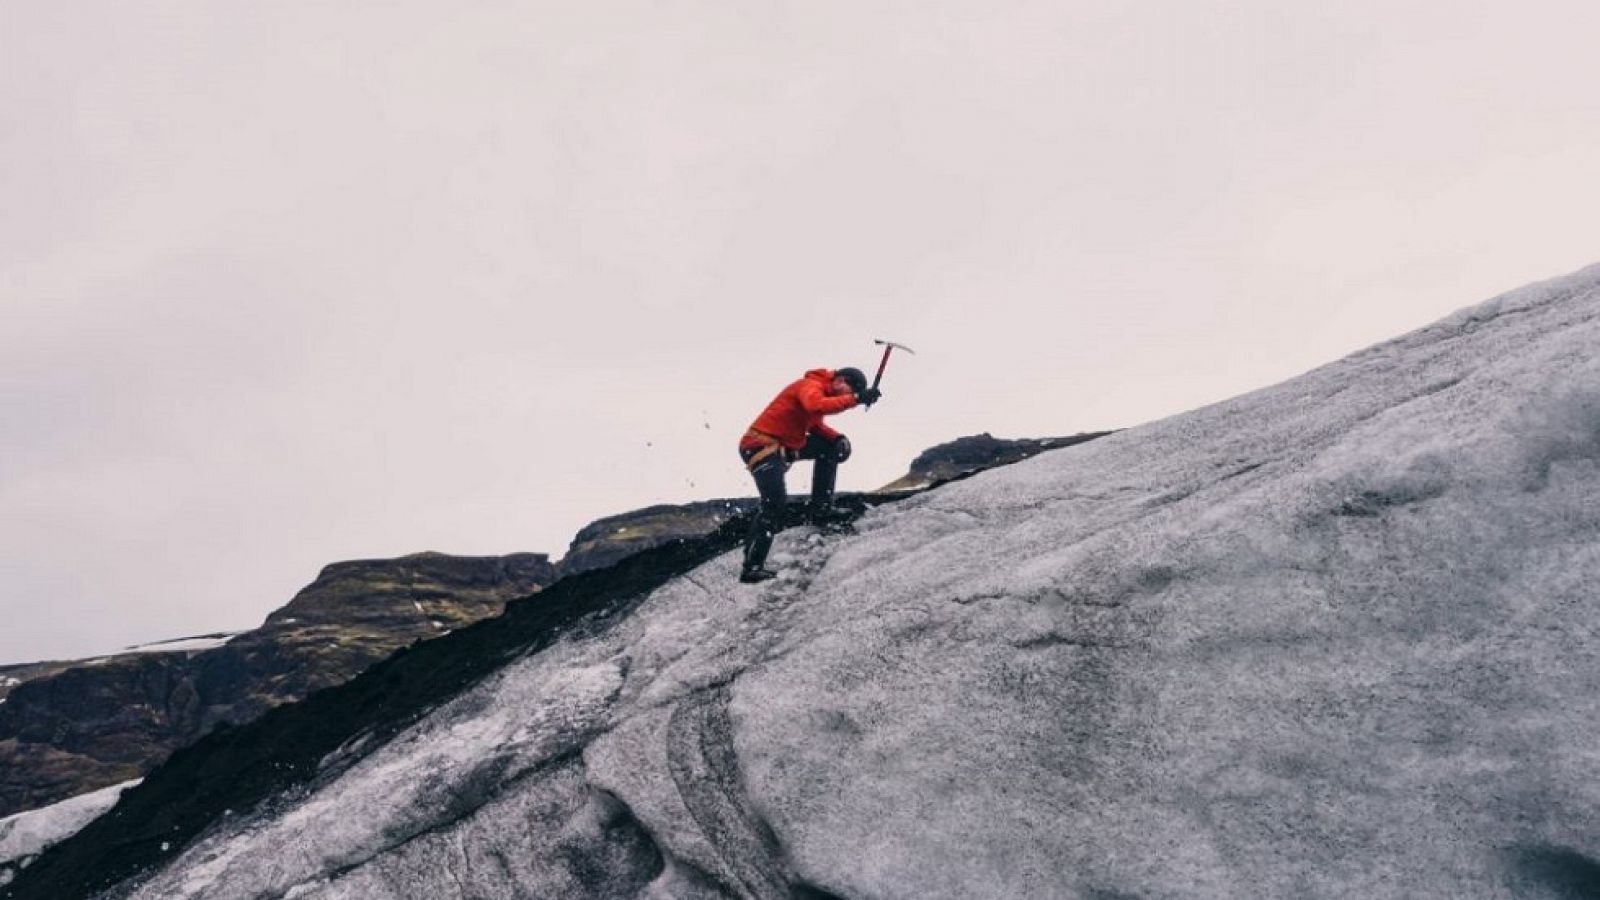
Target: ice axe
x=888, y=348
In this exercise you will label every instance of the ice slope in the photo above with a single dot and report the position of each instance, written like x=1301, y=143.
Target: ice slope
x=1333, y=638
x=27, y=834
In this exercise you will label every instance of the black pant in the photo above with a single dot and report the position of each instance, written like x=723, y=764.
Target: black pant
x=770, y=518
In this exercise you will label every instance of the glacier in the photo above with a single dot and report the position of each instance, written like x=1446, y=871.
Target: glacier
x=1331, y=638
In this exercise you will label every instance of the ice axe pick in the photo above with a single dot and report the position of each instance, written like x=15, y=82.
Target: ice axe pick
x=888, y=348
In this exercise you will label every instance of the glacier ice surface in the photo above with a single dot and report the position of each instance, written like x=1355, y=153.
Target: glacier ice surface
x=1331, y=638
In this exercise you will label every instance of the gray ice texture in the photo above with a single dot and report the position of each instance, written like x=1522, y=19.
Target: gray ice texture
x=1333, y=638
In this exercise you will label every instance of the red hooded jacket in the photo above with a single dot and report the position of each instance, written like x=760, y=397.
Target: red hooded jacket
x=798, y=410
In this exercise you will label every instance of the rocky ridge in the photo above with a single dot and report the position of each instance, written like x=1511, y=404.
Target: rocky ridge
x=975, y=453
x=609, y=540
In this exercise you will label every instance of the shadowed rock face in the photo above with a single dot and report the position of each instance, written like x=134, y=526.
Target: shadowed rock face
x=607, y=541
x=67, y=728
x=13, y=676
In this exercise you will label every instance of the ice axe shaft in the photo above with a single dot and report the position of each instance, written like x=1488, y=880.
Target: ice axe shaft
x=888, y=348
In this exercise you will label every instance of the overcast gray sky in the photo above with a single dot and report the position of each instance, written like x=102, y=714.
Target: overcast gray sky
x=288, y=283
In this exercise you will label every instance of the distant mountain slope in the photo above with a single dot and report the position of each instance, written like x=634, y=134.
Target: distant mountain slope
x=66, y=728
x=13, y=676
x=1333, y=638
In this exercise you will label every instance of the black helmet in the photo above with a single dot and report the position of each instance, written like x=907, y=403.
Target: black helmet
x=857, y=379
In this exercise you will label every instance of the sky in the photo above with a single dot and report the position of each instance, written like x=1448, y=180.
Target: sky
x=285, y=284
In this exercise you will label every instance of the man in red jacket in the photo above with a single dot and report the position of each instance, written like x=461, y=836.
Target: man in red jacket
x=791, y=428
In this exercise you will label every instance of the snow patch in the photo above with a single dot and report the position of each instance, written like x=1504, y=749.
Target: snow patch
x=27, y=834
x=184, y=645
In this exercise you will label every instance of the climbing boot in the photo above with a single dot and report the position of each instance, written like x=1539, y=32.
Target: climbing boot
x=757, y=575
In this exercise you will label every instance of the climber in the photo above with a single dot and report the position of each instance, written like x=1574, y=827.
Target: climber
x=789, y=429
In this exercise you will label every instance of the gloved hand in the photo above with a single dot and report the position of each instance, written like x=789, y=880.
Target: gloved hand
x=841, y=449
x=868, y=396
